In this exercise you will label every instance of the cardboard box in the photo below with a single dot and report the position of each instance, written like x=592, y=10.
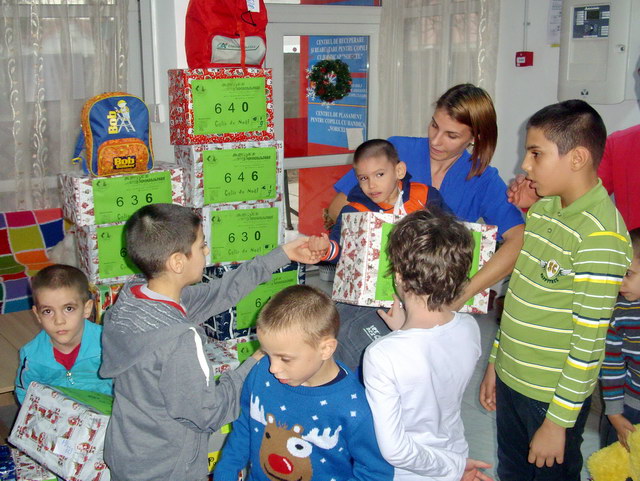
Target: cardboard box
x=360, y=277
x=62, y=433
x=232, y=172
x=89, y=200
x=215, y=105
x=240, y=320
x=238, y=232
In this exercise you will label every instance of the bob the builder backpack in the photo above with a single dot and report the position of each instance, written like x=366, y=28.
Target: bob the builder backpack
x=115, y=134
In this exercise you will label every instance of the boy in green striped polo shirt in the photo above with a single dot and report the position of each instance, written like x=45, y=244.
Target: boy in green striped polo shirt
x=547, y=353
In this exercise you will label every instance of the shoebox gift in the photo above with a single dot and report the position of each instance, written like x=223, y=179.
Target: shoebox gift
x=89, y=200
x=362, y=272
x=214, y=105
x=63, y=430
x=239, y=232
x=104, y=296
x=240, y=320
x=28, y=470
x=102, y=254
x=232, y=172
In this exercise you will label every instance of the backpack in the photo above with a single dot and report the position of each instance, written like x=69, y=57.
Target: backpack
x=224, y=33
x=116, y=132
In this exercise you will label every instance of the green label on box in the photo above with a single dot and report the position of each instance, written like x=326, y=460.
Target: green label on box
x=384, y=285
x=113, y=260
x=101, y=402
x=232, y=175
x=116, y=198
x=239, y=235
x=249, y=307
x=245, y=349
x=477, y=242
x=222, y=106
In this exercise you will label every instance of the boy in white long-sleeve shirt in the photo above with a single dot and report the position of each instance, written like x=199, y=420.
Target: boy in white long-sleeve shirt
x=415, y=376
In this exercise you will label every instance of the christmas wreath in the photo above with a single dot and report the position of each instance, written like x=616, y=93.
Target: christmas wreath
x=330, y=80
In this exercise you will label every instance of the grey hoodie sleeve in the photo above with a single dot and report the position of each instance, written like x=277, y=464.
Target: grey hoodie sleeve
x=205, y=300
x=191, y=395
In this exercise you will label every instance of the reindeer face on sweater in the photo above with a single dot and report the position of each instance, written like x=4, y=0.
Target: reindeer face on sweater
x=285, y=454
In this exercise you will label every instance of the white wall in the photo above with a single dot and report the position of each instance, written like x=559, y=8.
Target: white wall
x=521, y=91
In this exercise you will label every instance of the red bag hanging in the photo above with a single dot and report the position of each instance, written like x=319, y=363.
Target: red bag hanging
x=223, y=33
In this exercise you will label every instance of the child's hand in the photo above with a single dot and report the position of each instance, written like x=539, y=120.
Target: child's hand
x=547, y=445
x=471, y=472
x=298, y=250
x=520, y=193
x=319, y=243
x=623, y=427
x=394, y=317
x=488, y=388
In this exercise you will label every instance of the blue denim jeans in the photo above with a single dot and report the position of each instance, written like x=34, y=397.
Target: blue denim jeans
x=518, y=417
x=608, y=434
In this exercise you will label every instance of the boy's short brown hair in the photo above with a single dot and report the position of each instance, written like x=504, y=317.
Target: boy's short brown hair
x=156, y=231
x=302, y=308
x=635, y=242
x=376, y=148
x=60, y=275
x=571, y=124
x=432, y=252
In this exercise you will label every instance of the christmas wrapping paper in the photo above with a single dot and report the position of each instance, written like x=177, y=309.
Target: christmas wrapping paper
x=102, y=254
x=62, y=434
x=360, y=277
x=78, y=202
x=238, y=232
x=239, y=321
x=104, y=296
x=28, y=470
x=216, y=105
x=224, y=183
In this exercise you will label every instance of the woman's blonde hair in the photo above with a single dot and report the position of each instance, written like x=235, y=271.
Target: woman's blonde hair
x=473, y=107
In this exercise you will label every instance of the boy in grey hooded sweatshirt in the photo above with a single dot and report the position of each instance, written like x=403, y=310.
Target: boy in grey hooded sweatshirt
x=166, y=400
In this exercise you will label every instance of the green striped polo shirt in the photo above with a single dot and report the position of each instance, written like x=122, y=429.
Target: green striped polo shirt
x=561, y=294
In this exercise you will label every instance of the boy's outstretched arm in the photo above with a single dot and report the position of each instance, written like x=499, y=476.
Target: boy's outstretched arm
x=299, y=250
x=488, y=388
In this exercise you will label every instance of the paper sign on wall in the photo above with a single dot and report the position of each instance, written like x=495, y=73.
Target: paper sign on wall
x=116, y=198
x=249, y=307
x=113, y=259
x=238, y=235
x=232, y=175
x=229, y=105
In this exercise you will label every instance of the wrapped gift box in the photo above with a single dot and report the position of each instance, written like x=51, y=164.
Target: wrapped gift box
x=28, y=470
x=217, y=105
x=240, y=320
x=360, y=277
x=62, y=434
x=7, y=465
x=89, y=200
x=102, y=254
x=238, y=232
x=104, y=296
x=232, y=172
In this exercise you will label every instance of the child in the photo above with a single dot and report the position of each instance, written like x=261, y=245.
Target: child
x=415, y=377
x=166, y=400
x=67, y=352
x=384, y=185
x=620, y=374
x=303, y=416
x=549, y=346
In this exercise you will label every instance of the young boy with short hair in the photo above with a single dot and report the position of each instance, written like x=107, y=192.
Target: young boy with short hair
x=67, y=352
x=415, y=376
x=166, y=399
x=548, y=350
x=303, y=416
x=620, y=373
x=384, y=185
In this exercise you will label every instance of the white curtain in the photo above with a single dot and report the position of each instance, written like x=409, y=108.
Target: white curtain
x=54, y=55
x=427, y=46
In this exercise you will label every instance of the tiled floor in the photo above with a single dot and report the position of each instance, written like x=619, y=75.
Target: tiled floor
x=479, y=424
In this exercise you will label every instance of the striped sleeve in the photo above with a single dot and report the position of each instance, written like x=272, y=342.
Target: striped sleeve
x=613, y=372
x=600, y=265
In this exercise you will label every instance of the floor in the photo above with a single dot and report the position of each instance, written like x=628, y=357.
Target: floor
x=479, y=424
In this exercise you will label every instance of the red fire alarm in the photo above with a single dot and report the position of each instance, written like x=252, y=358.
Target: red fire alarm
x=524, y=59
